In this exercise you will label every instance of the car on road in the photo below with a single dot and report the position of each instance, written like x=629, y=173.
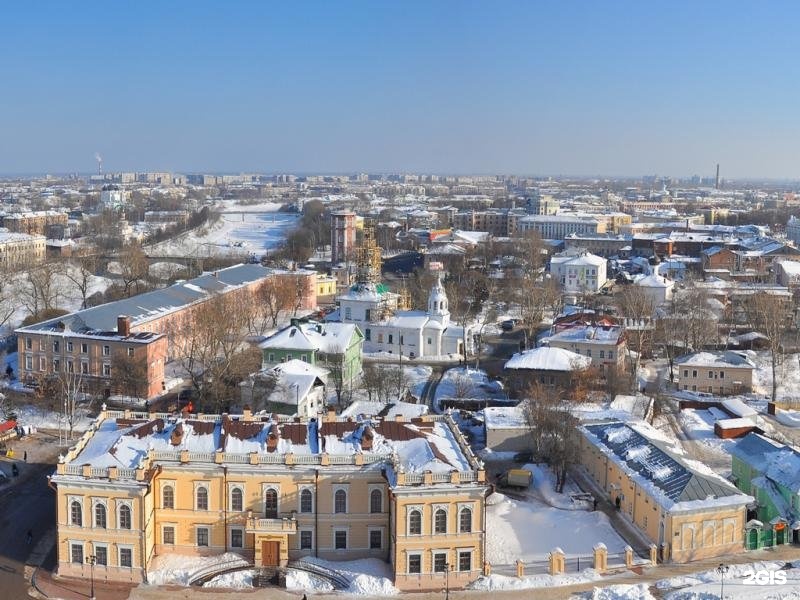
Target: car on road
x=509, y=324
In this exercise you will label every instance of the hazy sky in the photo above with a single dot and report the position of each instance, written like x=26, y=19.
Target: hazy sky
x=573, y=87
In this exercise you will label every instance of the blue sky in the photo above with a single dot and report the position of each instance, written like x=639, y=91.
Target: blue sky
x=581, y=88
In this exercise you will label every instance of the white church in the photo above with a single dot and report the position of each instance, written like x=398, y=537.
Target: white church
x=411, y=333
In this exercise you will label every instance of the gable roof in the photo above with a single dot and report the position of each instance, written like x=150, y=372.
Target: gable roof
x=667, y=477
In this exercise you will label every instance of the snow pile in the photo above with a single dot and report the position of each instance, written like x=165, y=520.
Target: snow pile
x=462, y=382
x=503, y=582
x=305, y=582
x=367, y=576
x=529, y=531
x=238, y=580
x=177, y=569
x=739, y=583
x=623, y=592
x=544, y=482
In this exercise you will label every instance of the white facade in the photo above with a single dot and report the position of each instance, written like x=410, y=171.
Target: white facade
x=657, y=288
x=112, y=197
x=412, y=333
x=558, y=227
x=793, y=230
x=579, y=273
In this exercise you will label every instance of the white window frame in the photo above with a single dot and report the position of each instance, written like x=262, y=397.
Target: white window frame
x=300, y=490
x=409, y=509
x=167, y=483
x=231, y=488
x=95, y=546
x=197, y=486
x=440, y=552
x=346, y=532
x=174, y=528
x=379, y=488
x=106, y=369
x=106, y=350
x=104, y=503
x=79, y=500
x=120, y=548
x=270, y=486
x=81, y=545
x=345, y=487
x=300, y=538
x=197, y=530
x=409, y=554
x=436, y=508
x=470, y=507
x=471, y=552
x=230, y=536
x=120, y=504
x=369, y=537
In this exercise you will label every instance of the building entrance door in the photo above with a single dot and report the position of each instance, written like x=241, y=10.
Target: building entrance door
x=270, y=553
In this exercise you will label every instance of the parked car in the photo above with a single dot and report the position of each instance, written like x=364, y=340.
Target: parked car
x=508, y=324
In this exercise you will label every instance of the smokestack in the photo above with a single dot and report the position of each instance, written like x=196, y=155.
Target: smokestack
x=123, y=325
x=716, y=181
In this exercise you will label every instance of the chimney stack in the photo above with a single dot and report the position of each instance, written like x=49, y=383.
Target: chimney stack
x=273, y=437
x=177, y=435
x=124, y=325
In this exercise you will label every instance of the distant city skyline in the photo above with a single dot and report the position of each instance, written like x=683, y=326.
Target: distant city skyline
x=581, y=89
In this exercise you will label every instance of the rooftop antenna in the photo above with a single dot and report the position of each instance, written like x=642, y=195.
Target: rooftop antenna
x=99, y=160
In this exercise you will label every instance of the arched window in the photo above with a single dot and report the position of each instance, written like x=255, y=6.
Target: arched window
x=168, y=497
x=415, y=522
x=375, y=501
x=76, y=514
x=202, y=498
x=440, y=521
x=237, y=500
x=271, y=504
x=306, y=501
x=124, y=517
x=100, y=516
x=340, y=501
x=465, y=520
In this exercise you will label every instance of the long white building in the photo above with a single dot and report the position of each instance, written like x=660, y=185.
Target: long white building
x=582, y=272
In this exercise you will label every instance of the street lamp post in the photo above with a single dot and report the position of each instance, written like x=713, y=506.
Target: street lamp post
x=92, y=560
x=722, y=569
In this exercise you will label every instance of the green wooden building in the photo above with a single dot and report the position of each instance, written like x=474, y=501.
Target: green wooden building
x=770, y=472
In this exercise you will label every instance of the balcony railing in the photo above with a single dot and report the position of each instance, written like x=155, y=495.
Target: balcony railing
x=279, y=525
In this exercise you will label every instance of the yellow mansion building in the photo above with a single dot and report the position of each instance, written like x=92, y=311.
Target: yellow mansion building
x=273, y=490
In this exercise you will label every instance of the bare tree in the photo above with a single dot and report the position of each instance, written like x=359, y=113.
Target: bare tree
x=466, y=293
x=80, y=273
x=769, y=314
x=134, y=268
x=129, y=373
x=556, y=439
x=276, y=297
x=39, y=290
x=463, y=386
x=63, y=389
x=535, y=298
x=636, y=305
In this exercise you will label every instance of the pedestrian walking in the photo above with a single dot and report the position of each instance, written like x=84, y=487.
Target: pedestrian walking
x=29, y=537
x=25, y=456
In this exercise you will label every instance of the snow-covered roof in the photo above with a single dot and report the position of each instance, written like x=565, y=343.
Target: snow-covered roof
x=329, y=338
x=583, y=259
x=155, y=304
x=548, y=359
x=412, y=445
x=587, y=334
x=654, y=281
x=776, y=461
x=505, y=417
x=726, y=358
x=666, y=477
x=296, y=376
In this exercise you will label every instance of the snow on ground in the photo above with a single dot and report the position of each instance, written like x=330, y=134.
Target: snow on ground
x=166, y=270
x=241, y=230
x=463, y=382
x=42, y=418
x=544, y=483
x=739, y=583
x=497, y=582
x=176, y=569
x=66, y=294
x=238, y=580
x=639, y=591
x=787, y=371
x=699, y=426
x=530, y=530
x=790, y=418
x=367, y=576
x=417, y=376
x=305, y=582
